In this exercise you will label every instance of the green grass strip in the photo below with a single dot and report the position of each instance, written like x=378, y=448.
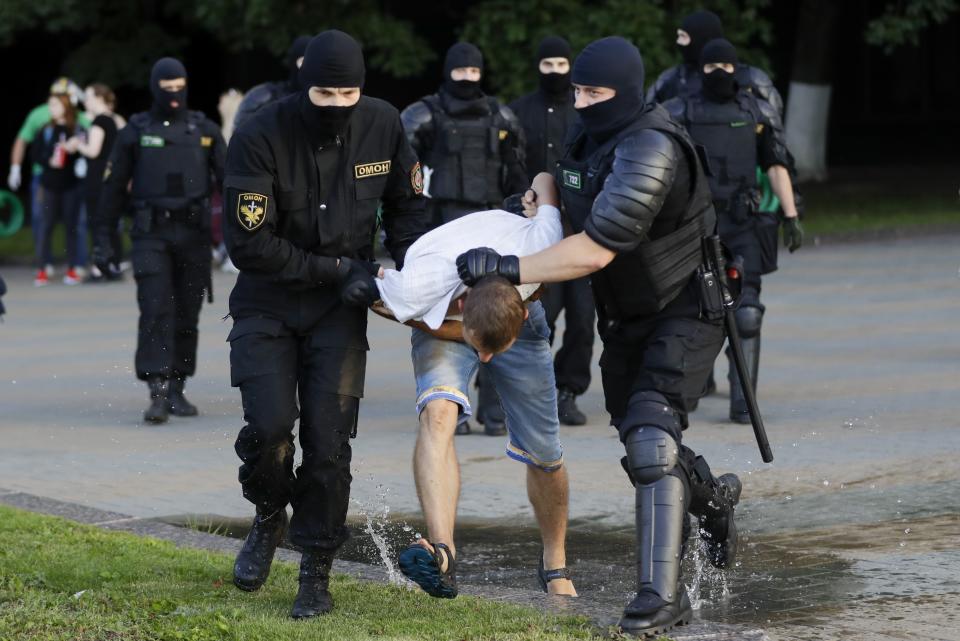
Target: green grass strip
x=63, y=580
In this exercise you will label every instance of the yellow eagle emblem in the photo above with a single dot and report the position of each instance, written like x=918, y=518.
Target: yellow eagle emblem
x=251, y=210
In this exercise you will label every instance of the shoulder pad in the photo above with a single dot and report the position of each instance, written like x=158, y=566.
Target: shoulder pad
x=642, y=174
x=769, y=113
x=677, y=108
x=762, y=87
x=262, y=93
x=416, y=116
x=655, y=92
x=139, y=120
x=507, y=114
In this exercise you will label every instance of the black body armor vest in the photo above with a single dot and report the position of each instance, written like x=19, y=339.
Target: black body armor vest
x=465, y=157
x=172, y=168
x=642, y=281
x=728, y=131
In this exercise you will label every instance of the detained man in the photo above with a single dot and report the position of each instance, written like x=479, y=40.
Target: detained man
x=503, y=326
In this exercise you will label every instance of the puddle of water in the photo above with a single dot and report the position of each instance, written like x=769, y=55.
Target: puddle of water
x=783, y=579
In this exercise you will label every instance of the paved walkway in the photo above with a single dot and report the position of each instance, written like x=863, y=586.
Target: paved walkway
x=859, y=387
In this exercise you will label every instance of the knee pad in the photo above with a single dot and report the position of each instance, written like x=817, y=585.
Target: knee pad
x=749, y=319
x=651, y=454
x=650, y=409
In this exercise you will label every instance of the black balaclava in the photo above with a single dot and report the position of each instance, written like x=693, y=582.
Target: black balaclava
x=168, y=69
x=702, y=27
x=718, y=85
x=615, y=63
x=332, y=59
x=297, y=49
x=554, y=85
x=462, y=54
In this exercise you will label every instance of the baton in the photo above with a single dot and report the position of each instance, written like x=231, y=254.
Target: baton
x=729, y=321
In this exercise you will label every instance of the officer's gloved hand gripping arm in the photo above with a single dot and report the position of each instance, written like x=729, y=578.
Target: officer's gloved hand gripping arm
x=639, y=181
x=118, y=174
x=250, y=217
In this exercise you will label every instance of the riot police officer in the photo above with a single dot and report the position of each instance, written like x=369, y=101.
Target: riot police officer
x=737, y=132
x=265, y=93
x=304, y=181
x=638, y=202
x=546, y=116
x=683, y=80
x=173, y=157
x=473, y=149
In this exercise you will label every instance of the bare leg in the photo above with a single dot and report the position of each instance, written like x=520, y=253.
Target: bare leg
x=549, y=494
x=437, y=472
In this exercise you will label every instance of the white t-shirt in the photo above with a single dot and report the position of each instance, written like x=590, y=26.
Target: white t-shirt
x=429, y=281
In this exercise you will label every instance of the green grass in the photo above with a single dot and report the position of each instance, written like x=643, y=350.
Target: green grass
x=831, y=214
x=60, y=580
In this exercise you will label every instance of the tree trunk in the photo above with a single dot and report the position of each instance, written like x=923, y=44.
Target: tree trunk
x=808, y=102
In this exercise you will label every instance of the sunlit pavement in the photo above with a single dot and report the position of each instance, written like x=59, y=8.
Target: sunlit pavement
x=854, y=527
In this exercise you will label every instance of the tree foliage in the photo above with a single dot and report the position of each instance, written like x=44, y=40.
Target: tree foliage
x=902, y=22
x=508, y=31
x=117, y=40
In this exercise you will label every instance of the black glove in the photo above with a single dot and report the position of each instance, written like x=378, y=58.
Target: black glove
x=483, y=261
x=357, y=282
x=792, y=234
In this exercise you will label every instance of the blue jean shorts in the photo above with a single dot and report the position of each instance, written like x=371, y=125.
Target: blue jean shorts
x=524, y=380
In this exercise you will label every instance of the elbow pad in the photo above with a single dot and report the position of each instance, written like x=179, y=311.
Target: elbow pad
x=643, y=171
x=415, y=118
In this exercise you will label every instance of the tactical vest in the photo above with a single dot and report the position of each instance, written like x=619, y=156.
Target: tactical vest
x=172, y=164
x=642, y=281
x=465, y=157
x=728, y=131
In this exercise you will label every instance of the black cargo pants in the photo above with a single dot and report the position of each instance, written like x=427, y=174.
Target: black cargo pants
x=171, y=265
x=283, y=376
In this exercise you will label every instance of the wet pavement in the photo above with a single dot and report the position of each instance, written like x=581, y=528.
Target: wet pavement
x=851, y=533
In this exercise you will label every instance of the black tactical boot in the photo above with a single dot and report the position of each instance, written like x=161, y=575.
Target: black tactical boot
x=463, y=428
x=661, y=602
x=313, y=597
x=177, y=403
x=717, y=526
x=567, y=409
x=252, y=566
x=157, y=412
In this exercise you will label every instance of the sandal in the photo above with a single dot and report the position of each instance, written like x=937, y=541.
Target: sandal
x=546, y=576
x=422, y=566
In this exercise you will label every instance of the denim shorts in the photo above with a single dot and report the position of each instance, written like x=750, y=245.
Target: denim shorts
x=523, y=377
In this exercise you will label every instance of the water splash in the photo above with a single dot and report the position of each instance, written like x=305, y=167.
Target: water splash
x=707, y=584
x=376, y=516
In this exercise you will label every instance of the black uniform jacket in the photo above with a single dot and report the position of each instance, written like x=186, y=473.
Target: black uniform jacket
x=290, y=202
x=545, y=123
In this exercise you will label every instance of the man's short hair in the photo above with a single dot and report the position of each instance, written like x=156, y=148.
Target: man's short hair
x=493, y=314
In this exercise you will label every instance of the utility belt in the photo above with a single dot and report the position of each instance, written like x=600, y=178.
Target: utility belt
x=741, y=207
x=148, y=217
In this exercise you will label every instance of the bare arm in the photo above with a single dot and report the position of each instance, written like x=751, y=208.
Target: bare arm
x=573, y=257
x=449, y=330
x=783, y=188
x=94, y=144
x=18, y=151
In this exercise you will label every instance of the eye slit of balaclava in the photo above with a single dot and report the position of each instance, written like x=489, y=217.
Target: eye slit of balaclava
x=462, y=54
x=719, y=85
x=616, y=63
x=554, y=85
x=332, y=59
